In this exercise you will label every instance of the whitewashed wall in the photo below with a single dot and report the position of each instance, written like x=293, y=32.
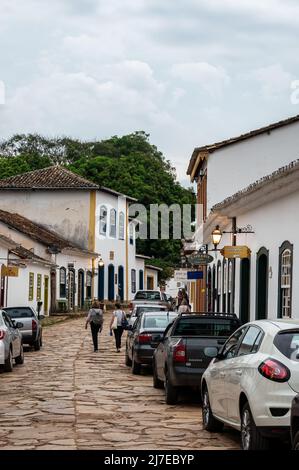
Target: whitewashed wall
x=234, y=167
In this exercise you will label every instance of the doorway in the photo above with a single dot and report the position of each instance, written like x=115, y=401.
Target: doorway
x=110, y=282
x=101, y=283
x=244, y=313
x=46, y=295
x=80, y=289
x=53, y=292
x=71, y=289
x=121, y=283
x=262, y=263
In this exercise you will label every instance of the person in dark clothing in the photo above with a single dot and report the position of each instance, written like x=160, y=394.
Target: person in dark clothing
x=116, y=324
x=95, y=319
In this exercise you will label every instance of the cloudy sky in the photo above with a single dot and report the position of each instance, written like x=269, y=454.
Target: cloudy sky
x=189, y=72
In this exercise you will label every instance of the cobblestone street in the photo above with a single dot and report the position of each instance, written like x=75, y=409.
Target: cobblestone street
x=67, y=397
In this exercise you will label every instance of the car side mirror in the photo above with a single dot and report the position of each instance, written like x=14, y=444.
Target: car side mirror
x=211, y=352
x=19, y=325
x=130, y=327
x=41, y=317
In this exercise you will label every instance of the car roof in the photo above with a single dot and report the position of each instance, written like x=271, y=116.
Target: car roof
x=157, y=312
x=218, y=316
x=151, y=305
x=17, y=306
x=276, y=323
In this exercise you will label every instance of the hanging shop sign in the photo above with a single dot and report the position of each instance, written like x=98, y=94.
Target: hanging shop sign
x=194, y=275
x=180, y=275
x=240, y=251
x=200, y=259
x=9, y=271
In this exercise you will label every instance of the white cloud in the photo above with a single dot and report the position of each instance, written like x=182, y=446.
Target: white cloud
x=272, y=80
x=208, y=77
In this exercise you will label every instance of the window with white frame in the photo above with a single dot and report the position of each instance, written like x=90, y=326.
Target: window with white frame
x=113, y=223
x=121, y=226
x=88, y=284
x=62, y=282
x=131, y=234
x=103, y=220
x=286, y=282
x=133, y=281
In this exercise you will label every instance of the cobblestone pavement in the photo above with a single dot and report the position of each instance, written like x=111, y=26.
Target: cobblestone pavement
x=67, y=397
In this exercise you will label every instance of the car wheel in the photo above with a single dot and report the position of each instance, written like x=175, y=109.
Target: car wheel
x=296, y=442
x=157, y=383
x=171, y=392
x=20, y=358
x=128, y=361
x=251, y=438
x=136, y=367
x=41, y=340
x=8, y=365
x=210, y=423
x=37, y=344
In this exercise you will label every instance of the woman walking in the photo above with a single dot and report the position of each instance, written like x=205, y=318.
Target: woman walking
x=116, y=324
x=95, y=319
x=184, y=307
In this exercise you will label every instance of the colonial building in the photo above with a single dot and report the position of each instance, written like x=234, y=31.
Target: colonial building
x=64, y=283
x=92, y=218
x=248, y=186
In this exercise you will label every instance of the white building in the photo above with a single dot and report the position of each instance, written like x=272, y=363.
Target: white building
x=31, y=281
x=66, y=286
x=91, y=217
x=251, y=184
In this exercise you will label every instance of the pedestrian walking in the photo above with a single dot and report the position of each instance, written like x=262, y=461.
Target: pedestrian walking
x=96, y=319
x=184, y=307
x=117, y=324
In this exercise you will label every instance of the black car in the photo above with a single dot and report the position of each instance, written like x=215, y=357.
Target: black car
x=295, y=423
x=180, y=359
x=144, y=336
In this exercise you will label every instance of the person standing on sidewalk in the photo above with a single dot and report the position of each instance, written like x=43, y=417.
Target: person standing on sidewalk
x=95, y=318
x=117, y=321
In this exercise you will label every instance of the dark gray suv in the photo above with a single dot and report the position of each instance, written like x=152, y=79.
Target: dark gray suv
x=144, y=336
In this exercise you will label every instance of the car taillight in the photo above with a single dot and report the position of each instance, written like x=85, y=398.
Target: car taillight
x=144, y=338
x=2, y=334
x=34, y=325
x=274, y=370
x=179, y=352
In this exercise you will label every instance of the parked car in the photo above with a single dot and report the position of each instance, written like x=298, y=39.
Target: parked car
x=32, y=329
x=11, y=347
x=180, y=359
x=295, y=423
x=149, y=296
x=149, y=307
x=250, y=384
x=144, y=337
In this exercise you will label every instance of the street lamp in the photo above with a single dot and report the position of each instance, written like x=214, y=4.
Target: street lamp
x=101, y=263
x=216, y=237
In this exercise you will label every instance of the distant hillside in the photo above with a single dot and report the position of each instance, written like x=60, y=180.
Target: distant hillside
x=128, y=164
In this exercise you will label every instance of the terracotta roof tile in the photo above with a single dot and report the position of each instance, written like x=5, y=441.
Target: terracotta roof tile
x=53, y=177
x=22, y=252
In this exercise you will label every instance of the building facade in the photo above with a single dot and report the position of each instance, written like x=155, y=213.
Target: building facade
x=248, y=187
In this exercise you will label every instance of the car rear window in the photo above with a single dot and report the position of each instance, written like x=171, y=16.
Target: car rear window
x=159, y=321
x=140, y=310
x=205, y=327
x=287, y=342
x=19, y=312
x=147, y=295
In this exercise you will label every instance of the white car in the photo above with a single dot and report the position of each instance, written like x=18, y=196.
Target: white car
x=140, y=308
x=250, y=384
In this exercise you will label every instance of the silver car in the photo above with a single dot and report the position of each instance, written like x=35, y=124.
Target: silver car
x=32, y=329
x=11, y=345
x=140, y=308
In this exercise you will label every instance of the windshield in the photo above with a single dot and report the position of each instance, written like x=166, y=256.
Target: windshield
x=205, y=327
x=287, y=342
x=22, y=312
x=140, y=310
x=159, y=321
x=148, y=295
